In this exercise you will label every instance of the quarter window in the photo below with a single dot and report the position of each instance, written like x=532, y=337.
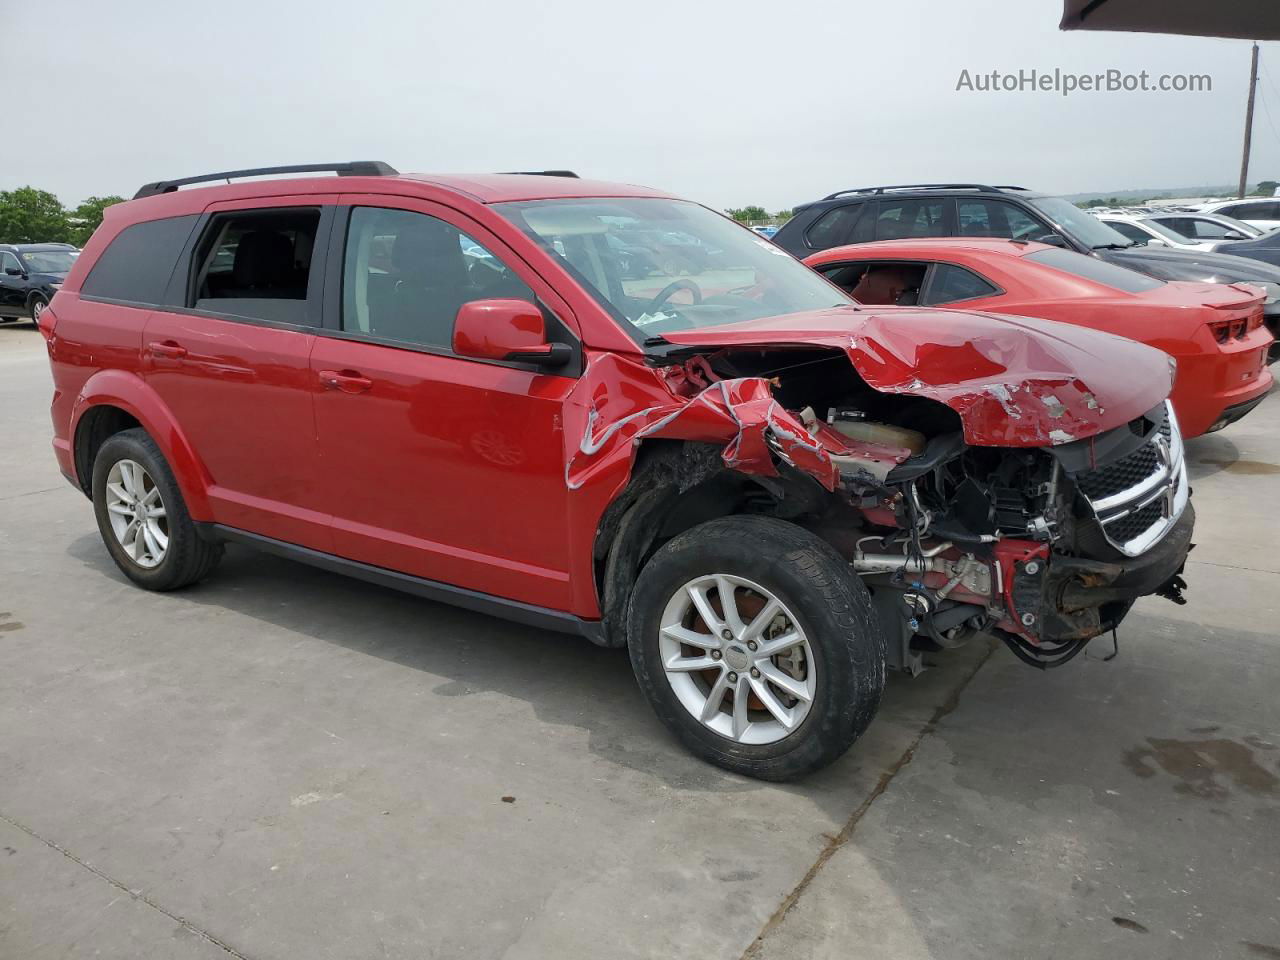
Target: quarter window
x=833, y=227
x=257, y=264
x=138, y=263
x=406, y=274
x=950, y=284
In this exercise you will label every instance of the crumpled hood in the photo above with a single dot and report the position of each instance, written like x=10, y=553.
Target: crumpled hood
x=1014, y=381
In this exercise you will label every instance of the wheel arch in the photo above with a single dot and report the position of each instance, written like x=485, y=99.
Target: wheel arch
x=674, y=486
x=114, y=400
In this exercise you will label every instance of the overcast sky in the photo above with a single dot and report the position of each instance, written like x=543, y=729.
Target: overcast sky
x=729, y=103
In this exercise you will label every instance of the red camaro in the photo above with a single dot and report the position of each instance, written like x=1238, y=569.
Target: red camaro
x=1213, y=331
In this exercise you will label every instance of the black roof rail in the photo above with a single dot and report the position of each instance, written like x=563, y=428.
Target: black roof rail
x=353, y=168
x=541, y=173
x=981, y=187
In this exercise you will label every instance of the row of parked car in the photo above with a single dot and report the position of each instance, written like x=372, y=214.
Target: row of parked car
x=599, y=409
x=30, y=274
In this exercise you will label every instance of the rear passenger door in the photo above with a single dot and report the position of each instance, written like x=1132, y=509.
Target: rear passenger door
x=230, y=358
x=436, y=465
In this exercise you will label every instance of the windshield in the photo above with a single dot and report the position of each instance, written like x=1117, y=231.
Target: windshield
x=1082, y=227
x=664, y=265
x=47, y=261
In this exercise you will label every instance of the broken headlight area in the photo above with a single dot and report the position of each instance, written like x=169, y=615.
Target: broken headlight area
x=1044, y=546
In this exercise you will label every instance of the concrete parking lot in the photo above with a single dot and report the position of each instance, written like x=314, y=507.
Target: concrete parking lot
x=281, y=763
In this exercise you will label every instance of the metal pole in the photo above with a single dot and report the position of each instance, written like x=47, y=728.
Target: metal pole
x=1248, y=123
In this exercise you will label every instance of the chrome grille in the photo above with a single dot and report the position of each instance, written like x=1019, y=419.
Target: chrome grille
x=1138, y=498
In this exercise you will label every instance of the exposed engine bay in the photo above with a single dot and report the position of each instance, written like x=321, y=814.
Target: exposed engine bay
x=1045, y=547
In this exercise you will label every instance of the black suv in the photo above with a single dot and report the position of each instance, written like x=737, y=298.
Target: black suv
x=30, y=274
x=978, y=210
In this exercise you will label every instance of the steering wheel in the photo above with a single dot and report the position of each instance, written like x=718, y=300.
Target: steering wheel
x=669, y=290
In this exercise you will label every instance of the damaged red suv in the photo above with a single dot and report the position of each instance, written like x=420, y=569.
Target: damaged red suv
x=476, y=389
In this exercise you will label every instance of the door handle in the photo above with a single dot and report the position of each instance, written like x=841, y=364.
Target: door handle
x=348, y=381
x=167, y=348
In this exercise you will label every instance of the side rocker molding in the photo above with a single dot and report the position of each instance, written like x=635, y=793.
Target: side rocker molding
x=513, y=610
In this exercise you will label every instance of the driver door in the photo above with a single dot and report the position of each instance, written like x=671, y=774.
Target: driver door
x=439, y=466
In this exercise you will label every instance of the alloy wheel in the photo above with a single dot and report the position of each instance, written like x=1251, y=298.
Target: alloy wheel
x=137, y=513
x=737, y=659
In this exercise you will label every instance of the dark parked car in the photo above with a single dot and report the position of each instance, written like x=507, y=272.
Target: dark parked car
x=30, y=274
x=977, y=210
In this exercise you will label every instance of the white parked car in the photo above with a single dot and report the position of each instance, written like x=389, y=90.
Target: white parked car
x=1262, y=212
x=1141, y=229
x=1207, y=226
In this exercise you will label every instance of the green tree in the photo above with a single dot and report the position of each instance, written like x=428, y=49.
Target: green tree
x=28, y=215
x=784, y=215
x=1266, y=188
x=743, y=214
x=87, y=217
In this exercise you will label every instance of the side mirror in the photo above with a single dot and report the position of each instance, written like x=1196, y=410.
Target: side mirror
x=1233, y=235
x=1053, y=240
x=1153, y=242
x=511, y=330
x=13, y=271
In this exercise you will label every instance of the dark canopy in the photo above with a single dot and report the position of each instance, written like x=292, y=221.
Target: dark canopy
x=1245, y=19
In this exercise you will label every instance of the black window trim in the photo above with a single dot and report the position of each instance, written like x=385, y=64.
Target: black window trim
x=181, y=292
x=331, y=312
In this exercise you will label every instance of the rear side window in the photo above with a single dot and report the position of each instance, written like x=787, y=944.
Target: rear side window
x=951, y=284
x=137, y=264
x=1255, y=210
x=1091, y=268
x=256, y=264
x=898, y=219
x=833, y=227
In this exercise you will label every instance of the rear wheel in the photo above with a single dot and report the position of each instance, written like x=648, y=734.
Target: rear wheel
x=38, y=305
x=757, y=646
x=142, y=517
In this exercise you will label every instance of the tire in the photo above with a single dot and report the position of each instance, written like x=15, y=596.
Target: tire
x=186, y=557
x=843, y=657
x=36, y=307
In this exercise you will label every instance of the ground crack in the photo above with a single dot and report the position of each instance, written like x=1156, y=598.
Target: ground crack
x=846, y=832
x=186, y=924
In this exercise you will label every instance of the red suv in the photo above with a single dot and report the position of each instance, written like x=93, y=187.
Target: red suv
x=471, y=388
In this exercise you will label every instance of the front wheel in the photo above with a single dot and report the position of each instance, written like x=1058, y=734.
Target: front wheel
x=757, y=646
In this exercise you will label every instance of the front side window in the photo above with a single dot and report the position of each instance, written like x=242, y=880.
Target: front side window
x=663, y=265
x=899, y=219
x=9, y=262
x=1196, y=228
x=257, y=264
x=951, y=284
x=996, y=218
x=1099, y=271
x=406, y=274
